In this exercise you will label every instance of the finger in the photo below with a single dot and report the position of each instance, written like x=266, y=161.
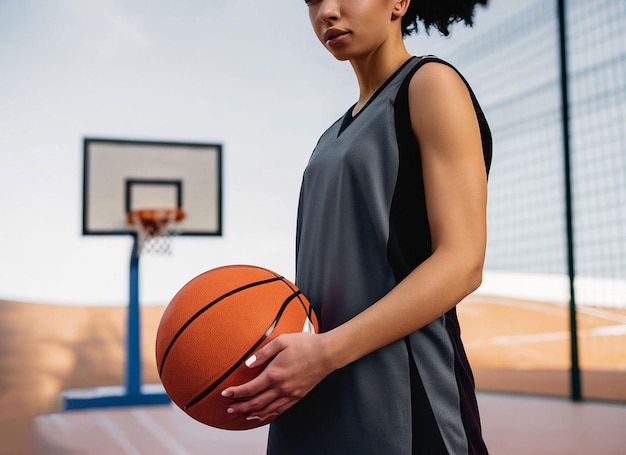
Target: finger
x=266, y=353
x=248, y=390
x=275, y=408
x=262, y=402
x=261, y=382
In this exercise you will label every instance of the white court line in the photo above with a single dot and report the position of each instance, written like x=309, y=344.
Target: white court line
x=166, y=440
x=59, y=422
x=599, y=313
x=554, y=309
x=546, y=308
x=529, y=338
x=611, y=330
x=117, y=434
x=606, y=331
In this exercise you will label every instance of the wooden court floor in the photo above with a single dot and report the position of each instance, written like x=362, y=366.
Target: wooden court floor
x=514, y=346
x=512, y=425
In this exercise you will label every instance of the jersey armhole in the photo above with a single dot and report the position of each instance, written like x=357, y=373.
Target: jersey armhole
x=402, y=102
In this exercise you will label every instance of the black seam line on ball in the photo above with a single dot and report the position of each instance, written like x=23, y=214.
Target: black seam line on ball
x=244, y=357
x=307, y=308
x=204, y=309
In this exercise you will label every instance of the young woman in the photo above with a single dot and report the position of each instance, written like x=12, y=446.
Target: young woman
x=391, y=236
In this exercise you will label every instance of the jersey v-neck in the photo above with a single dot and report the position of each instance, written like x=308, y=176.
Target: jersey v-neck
x=348, y=118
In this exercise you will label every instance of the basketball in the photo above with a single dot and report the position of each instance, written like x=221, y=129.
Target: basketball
x=213, y=325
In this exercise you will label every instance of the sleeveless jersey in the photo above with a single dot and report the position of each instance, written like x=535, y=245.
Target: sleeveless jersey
x=362, y=227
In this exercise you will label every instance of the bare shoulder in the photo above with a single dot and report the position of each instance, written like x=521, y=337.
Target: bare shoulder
x=436, y=75
x=438, y=97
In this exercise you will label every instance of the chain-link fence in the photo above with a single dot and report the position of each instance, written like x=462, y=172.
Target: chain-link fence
x=515, y=67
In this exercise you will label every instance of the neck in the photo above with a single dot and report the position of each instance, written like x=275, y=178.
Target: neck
x=374, y=69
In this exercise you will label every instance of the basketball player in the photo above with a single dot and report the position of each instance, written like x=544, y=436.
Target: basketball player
x=391, y=236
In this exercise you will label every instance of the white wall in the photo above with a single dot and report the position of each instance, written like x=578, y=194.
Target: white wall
x=245, y=74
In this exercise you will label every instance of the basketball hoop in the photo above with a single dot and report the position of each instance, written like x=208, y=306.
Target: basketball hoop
x=155, y=228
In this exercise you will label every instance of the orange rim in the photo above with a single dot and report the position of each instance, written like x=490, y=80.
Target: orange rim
x=158, y=216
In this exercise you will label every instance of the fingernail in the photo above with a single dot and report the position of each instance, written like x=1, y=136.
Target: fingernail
x=227, y=393
x=230, y=411
x=250, y=361
x=253, y=418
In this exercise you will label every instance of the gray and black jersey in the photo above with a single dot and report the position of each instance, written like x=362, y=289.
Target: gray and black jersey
x=362, y=227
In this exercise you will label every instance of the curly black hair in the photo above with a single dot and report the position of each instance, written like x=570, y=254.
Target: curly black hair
x=440, y=14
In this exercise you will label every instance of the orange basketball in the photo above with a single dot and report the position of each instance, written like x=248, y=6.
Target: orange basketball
x=213, y=325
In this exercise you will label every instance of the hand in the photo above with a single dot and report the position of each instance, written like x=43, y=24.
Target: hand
x=297, y=363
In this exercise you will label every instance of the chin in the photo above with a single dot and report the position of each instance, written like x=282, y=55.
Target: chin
x=341, y=56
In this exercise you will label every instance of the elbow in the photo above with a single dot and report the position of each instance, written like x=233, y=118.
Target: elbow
x=475, y=271
x=475, y=278
x=472, y=273
x=465, y=270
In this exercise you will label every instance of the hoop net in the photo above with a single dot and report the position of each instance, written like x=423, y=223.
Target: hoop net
x=156, y=228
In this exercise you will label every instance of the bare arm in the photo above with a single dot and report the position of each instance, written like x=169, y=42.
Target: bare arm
x=444, y=120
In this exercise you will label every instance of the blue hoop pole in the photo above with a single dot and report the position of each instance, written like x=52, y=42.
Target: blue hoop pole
x=133, y=347
x=132, y=394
